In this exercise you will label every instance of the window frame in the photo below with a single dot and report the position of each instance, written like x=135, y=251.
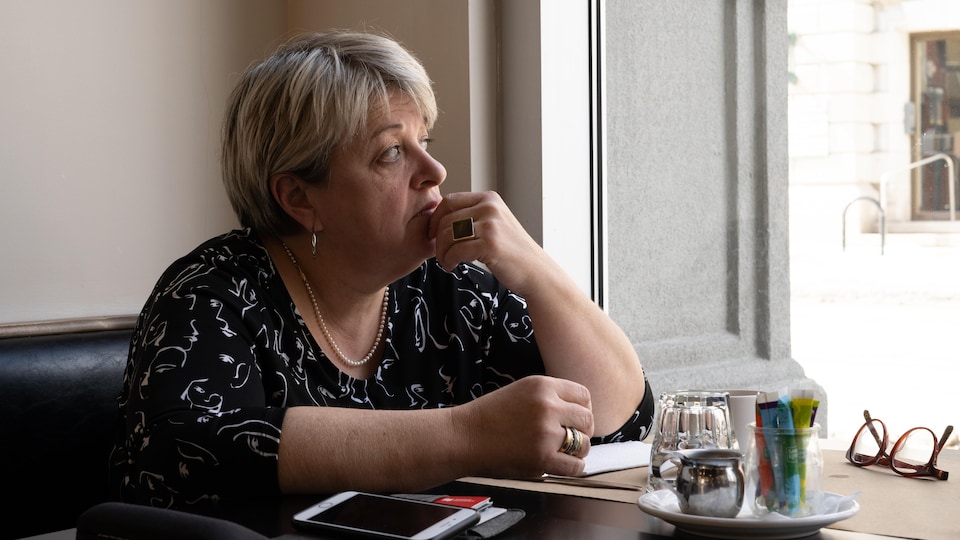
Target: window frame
x=552, y=134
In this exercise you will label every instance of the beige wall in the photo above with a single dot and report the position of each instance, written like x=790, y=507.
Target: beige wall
x=109, y=122
x=442, y=46
x=109, y=131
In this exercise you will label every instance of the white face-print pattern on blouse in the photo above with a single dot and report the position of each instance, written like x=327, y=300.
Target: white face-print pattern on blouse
x=220, y=351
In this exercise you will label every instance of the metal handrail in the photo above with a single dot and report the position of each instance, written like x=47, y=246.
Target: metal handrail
x=881, y=222
x=914, y=165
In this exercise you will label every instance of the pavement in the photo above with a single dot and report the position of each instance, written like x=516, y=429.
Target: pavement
x=881, y=331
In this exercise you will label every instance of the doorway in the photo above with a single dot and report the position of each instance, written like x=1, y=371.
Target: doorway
x=936, y=89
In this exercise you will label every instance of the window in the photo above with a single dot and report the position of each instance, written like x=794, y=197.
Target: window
x=935, y=83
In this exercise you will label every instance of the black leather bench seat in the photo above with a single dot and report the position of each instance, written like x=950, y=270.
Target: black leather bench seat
x=58, y=403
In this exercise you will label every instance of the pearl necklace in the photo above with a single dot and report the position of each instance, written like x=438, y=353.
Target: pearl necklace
x=323, y=325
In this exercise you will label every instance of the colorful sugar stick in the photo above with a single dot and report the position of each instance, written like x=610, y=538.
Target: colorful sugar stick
x=764, y=467
x=801, y=405
x=788, y=443
x=767, y=402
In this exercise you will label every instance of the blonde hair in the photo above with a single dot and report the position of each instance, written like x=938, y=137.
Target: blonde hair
x=291, y=111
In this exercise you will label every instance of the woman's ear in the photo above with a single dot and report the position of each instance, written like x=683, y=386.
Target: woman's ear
x=290, y=193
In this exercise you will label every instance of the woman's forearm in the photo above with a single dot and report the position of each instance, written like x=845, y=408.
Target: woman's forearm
x=512, y=432
x=328, y=449
x=579, y=342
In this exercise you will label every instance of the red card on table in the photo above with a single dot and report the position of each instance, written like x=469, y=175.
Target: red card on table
x=465, y=501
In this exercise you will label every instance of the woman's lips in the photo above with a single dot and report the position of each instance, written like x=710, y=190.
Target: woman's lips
x=428, y=209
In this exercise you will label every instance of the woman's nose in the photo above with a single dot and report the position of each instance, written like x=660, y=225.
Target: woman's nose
x=430, y=171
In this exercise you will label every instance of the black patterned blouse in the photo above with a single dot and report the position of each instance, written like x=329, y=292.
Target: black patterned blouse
x=220, y=352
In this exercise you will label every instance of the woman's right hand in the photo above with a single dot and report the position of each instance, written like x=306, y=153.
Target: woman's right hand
x=500, y=243
x=516, y=431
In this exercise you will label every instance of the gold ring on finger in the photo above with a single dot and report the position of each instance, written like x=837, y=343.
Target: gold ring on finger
x=572, y=442
x=463, y=230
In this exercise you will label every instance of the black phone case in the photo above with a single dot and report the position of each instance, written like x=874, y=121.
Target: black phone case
x=487, y=529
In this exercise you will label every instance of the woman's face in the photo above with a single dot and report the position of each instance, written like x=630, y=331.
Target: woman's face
x=383, y=188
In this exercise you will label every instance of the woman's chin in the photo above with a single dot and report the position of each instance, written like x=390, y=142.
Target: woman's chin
x=423, y=250
x=430, y=249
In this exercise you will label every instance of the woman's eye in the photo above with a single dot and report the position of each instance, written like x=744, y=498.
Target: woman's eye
x=391, y=154
x=395, y=152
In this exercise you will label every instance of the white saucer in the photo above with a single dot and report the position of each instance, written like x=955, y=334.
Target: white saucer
x=663, y=504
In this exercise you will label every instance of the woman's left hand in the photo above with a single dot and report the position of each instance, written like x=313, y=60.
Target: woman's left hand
x=577, y=340
x=499, y=240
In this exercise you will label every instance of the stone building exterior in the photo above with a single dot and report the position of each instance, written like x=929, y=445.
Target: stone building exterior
x=874, y=89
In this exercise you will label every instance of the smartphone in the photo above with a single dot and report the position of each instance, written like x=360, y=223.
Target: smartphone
x=381, y=516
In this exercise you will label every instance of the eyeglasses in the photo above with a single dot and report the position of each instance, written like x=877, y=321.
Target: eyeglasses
x=914, y=454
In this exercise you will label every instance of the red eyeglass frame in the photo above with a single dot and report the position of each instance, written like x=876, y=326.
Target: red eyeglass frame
x=887, y=460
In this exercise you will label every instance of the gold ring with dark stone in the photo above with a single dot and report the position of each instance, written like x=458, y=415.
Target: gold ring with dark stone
x=463, y=230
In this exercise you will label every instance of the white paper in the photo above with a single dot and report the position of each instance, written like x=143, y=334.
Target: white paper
x=617, y=456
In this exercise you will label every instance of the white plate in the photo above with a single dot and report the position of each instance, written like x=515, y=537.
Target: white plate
x=663, y=504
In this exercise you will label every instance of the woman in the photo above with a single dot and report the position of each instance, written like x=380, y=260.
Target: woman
x=342, y=339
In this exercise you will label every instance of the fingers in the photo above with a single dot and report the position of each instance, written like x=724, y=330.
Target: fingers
x=459, y=220
x=568, y=465
x=453, y=207
x=567, y=440
x=566, y=404
x=568, y=460
x=519, y=430
x=577, y=412
x=496, y=238
x=572, y=392
x=575, y=442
